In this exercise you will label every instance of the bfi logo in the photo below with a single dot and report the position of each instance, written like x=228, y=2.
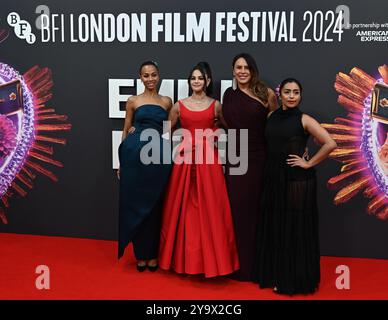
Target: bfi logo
x=22, y=28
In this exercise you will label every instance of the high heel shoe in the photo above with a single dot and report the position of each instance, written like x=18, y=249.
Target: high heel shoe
x=140, y=267
x=153, y=268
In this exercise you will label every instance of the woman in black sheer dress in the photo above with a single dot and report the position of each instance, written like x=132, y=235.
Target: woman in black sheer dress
x=288, y=257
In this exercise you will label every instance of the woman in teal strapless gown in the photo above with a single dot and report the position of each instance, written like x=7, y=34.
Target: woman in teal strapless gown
x=142, y=184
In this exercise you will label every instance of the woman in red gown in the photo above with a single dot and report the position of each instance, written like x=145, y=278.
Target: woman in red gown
x=197, y=235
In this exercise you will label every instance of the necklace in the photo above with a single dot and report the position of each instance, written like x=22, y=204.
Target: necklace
x=198, y=100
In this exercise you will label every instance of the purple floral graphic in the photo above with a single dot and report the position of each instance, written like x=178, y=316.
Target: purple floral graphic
x=7, y=136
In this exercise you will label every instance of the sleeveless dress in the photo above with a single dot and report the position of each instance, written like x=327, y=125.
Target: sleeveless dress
x=142, y=185
x=288, y=256
x=197, y=234
x=241, y=111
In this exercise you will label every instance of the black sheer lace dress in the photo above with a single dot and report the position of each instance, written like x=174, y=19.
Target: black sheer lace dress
x=287, y=255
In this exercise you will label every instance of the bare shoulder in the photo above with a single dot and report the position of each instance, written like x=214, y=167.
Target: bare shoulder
x=217, y=104
x=309, y=122
x=167, y=102
x=308, y=119
x=131, y=103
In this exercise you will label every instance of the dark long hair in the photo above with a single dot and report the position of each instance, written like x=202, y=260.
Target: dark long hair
x=203, y=73
x=290, y=80
x=258, y=87
x=205, y=66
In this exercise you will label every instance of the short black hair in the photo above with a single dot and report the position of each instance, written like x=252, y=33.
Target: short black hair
x=290, y=80
x=148, y=63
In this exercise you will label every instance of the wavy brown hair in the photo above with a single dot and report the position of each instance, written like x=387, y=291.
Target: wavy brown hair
x=258, y=87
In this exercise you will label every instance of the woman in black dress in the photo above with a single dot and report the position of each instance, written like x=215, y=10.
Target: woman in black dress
x=247, y=107
x=288, y=258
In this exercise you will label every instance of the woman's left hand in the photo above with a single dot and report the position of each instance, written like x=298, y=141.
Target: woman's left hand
x=296, y=161
x=306, y=155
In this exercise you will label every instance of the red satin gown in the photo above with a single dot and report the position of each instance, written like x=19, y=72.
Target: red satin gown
x=197, y=235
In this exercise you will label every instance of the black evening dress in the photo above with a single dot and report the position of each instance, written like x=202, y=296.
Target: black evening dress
x=288, y=256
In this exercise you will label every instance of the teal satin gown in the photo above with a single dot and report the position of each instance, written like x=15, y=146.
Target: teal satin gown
x=142, y=185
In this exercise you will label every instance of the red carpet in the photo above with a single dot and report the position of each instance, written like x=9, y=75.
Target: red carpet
x=88, y=269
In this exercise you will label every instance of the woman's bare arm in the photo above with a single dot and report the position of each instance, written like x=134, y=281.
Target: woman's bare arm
x=322, y=136
x=130, y=108
x=173, y=116
x=221, y=123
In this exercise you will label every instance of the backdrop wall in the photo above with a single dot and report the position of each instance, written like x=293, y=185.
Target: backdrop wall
x=84, y=201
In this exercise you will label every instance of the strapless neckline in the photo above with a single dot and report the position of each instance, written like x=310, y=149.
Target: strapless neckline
x=150, y=105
